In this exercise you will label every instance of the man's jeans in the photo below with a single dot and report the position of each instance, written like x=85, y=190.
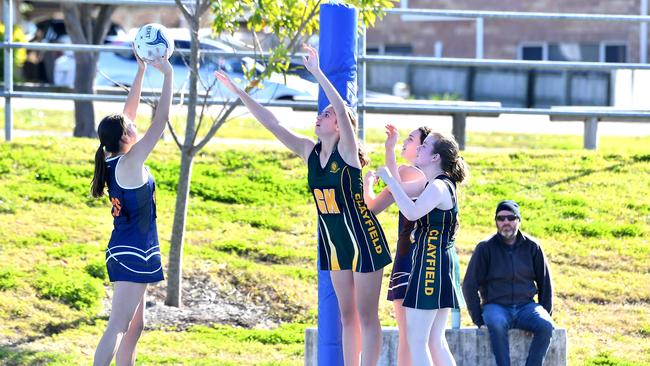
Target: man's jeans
x=531, y=317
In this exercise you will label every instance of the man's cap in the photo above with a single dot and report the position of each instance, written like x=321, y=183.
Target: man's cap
x=508, y=205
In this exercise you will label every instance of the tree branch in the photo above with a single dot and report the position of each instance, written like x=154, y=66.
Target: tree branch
x=73, y=23
x=205, y=4
x=86, y=15
x=203, y=107
x=302, y=26
x=103, y=23
x=176, y=140
x=217, y=124
x=186, y=13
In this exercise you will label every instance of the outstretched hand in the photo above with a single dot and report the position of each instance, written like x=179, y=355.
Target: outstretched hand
x=141, y=64
x=384, y=174
x=311, y=60
x=370, y=179
x=392, y=135
x=226, y=81
x=162, y=64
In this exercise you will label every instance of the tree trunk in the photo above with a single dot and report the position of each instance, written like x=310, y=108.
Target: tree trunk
x=84, y=112
x=175, y=264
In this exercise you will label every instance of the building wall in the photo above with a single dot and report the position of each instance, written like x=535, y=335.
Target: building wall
x=503, y=36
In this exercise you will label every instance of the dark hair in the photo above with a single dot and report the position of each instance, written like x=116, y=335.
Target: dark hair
x=424, y=132
x=450, y=160
x=363, y=155
x=110, y=132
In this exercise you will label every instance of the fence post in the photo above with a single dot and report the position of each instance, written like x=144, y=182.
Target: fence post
x=643, y=34
x=480, y=37
x=361, y=77
x=458, y=129
x=7, y=11
x=591, y=133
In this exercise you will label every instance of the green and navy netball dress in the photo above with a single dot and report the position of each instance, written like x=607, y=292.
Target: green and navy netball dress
x=403, y=262
x=350, y=237
x=133, y=253
x=435, y=277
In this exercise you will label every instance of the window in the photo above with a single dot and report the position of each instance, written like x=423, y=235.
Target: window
x=535, y=53
x=574, y=52
x=613, y=52
x=398, y=49
x=374, y=50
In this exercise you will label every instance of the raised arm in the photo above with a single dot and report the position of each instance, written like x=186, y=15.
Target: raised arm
x=430, y=198
x=299, y=144
x=133, y=99
x=348, y=145
x=391, y=140
x=141, y=150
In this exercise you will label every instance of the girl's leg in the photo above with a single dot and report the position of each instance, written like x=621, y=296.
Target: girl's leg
x=126, y=352
x=343, y=283
x=418, y=327
x=403, y=352
x=367, y=287
x=438, y=346
x=126, y=298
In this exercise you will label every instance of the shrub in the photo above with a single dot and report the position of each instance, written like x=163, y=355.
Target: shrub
x=74, y=288
x=97, y=269
x=8, y=279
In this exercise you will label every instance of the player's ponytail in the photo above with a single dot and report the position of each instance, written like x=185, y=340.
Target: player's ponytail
x=450, y=160
x=364, y=159
x=110, y=131
x=99, y=178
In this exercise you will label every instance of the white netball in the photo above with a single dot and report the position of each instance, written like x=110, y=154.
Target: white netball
x=153, y=41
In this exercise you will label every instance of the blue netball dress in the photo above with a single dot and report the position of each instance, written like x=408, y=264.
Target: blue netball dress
x=133, y=253
x=402, y=264
x=435, y=277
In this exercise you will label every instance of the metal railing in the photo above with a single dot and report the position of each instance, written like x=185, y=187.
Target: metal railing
x=363, y=105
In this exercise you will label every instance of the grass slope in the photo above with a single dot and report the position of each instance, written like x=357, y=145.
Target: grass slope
x=251, y=226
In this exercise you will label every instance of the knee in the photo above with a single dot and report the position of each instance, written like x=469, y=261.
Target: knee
x=416, y=338
x=544, y=329
x=496, y=323
x=368, y=318
x=348, y=315
x=137, y=326
x=118, y=325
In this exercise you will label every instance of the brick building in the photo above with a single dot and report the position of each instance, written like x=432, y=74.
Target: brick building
x=512, y=39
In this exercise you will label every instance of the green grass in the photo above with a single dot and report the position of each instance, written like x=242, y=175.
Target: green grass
x=251, y=226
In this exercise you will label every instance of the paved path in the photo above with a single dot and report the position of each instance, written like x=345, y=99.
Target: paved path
x=504, y=123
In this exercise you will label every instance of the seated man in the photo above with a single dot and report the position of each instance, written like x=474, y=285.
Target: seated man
x=507, y=270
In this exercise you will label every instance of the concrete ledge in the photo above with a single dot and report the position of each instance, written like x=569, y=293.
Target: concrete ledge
x=470, y=346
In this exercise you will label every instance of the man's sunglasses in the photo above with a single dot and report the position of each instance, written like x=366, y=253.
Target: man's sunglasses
x=506, y=217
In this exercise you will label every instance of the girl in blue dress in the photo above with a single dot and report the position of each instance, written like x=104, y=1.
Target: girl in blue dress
x=133, y=255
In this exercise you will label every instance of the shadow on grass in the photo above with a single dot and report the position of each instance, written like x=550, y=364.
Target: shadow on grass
x=51, y=329
x=640, y=158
